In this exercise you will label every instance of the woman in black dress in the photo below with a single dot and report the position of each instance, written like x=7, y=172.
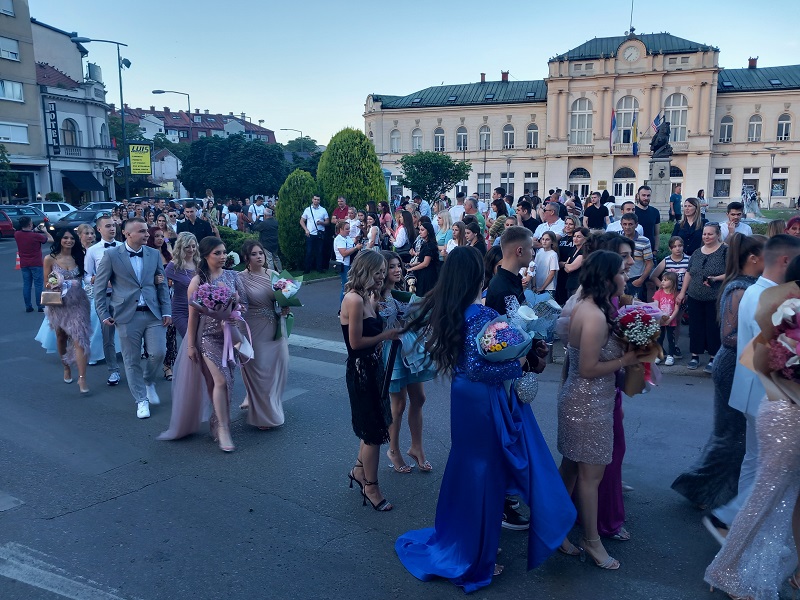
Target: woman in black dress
x=473, y=237
x=573, y=264
x=425, y=264
x=363, y=332
x=565, y=250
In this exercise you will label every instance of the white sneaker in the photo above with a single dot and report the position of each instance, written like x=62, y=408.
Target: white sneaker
x=669, y=361
x=113, y=378
x=658, y=361
x=152, y=396
x=143, y=409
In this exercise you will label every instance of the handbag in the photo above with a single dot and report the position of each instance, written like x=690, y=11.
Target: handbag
x=338, y=267
x=527, y=387
x=51, y=299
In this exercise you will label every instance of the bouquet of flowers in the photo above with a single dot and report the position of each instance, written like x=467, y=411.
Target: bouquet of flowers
x=232, y=259
x=545, y=315
x=55, y=281
x=286, y=288
x=219, y=302
x=639, y=325
x=499, y=340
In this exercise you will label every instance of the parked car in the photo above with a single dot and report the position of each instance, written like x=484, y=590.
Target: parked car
x=106, y=206
x=73, y=219
x=15, y=211
x=6, y=228
x=54, y=210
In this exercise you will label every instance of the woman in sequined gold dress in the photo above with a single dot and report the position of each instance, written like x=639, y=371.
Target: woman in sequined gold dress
x=265, y=374
x=586, y=400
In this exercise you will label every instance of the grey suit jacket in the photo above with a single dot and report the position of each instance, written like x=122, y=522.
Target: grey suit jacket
x=115, y=267
x=747, y=391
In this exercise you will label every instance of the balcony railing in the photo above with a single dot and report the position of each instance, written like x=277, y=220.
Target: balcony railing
x=623, y=148
x=680, y=146
x=581, y=149
x=85, y=152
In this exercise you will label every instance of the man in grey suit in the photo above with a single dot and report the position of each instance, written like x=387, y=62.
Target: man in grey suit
x=140, y=306
x=747, y=391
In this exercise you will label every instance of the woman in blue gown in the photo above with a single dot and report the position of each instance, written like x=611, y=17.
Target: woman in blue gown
x=496, y=446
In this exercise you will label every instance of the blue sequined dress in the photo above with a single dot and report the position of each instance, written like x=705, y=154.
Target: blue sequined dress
x=496, y=449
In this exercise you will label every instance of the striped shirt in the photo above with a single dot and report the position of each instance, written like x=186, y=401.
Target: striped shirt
x=678, y=267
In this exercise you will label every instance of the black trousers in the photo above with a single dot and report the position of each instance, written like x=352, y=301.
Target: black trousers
x=314, y=258
x=703, y=326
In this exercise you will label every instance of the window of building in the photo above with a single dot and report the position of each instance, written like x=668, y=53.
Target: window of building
x=461, y=139
x=172, y=132
x=201, y=134
x=754, y=129
x=722, y=183
x=533, y=136
x=394, y=141
x=508, y=137
x=197, y=119
x=531, y=183
x=484, y=185
x=779, y=183
x=627, y=108
x=579, y=180
x=624, y=183
x=416, y=140
x=580, y=122
x=69, y=133
x=579, y=67
x=673, y=61
x=784, y=128
x=212, y=119
x=183, y=133
x=11, y=132
x=589, y=67
x=485, y=138
x=748, y=181
x=675, y=173
x=726, y=130
x=105, y=140
x=438, y=139
x=11, y=90
x=7, y=7
x=684, y=60
x=9, y=48
x=676, y=110
x=507, y=181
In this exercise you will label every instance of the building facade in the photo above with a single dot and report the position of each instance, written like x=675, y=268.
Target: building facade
x=729, y=127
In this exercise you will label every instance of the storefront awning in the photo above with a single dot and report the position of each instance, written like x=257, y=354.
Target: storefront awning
x=84, y=181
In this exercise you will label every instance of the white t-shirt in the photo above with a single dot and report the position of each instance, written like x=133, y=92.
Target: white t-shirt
x=256, y=212
x=311, y=216
x=742, y=228
x=341, y=241
x=450, y=245
x=545, y=261
x=457, y=212
x=557, y=228
x=401, y=237
x=616, y=227
x=355, y=227
x=233, y=221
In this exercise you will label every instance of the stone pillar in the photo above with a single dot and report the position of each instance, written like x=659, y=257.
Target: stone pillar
x=660, y=185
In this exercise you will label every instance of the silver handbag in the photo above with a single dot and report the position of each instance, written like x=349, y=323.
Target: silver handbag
x=527, y=387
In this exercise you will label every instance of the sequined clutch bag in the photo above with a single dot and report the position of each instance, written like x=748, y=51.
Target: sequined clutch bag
x=527, y=387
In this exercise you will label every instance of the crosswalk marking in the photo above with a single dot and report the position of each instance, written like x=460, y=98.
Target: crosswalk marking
x=312, y=343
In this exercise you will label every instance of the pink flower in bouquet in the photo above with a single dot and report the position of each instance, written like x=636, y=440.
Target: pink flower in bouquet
x=499, y=336
x=784, y=348
x=639, y=325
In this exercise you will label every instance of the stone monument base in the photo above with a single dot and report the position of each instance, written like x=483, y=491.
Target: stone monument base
x=659, y=183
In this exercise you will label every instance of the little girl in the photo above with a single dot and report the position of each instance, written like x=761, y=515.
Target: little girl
x=546, y=263
x=666, y=299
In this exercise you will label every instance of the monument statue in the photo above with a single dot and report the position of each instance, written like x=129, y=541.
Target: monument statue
x=659, y=145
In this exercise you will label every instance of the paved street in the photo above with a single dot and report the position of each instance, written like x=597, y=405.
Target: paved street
x=108, y=512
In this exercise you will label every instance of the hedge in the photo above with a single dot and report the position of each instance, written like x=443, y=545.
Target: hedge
x=294, y=196
x=234, y=239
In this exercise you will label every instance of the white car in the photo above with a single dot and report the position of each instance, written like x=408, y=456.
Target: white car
x=54, y=210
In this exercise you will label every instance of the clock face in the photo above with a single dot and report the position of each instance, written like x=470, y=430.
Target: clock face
x=631, y=53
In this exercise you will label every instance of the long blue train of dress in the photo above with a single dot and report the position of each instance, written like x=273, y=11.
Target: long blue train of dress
x=47, y=337
x=496, y=449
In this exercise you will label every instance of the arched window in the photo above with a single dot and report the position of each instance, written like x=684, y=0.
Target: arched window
x=508, y=137
x=461, y=139
x=580, y=173
x=579, y=180
x=784, y=128
x=627, y=108
x=676, y=111
x=70, y=136
x=394, y=141
x=675, y=173
x=754, y=129
x=371, y=137
x=438, y=139
x=726, y=130
x=580, y=122
x=624, y=182
x=105, y=141
x=485, y=138
x=533, y=136
x=416, y=140
x=625, y=173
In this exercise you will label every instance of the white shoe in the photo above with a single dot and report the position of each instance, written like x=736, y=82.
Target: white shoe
x=152, y=396
x=113, y=378
x=658, y=361
x=669, y=361
x=143, y=409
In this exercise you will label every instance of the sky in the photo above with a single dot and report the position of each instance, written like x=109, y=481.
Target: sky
x=310, y=64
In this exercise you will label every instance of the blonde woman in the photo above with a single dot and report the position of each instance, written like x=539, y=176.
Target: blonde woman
x=86, y=235
x=445, y=232
x=179, y=272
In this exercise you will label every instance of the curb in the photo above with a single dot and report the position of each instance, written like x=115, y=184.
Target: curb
x=313, y=281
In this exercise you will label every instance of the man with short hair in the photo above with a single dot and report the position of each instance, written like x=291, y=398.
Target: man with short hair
x=471, y=208
x=160, y=207
x=527, y=218
x=313, y=222
x=675, y=204
x=199, y=227
x=649, y=216
x=423, y=206
x=340, y=212
x=29, y=249
x=642, y=258
x=509, y=200
x=747, y=390
x=457, y=210
x=734, y=223
x=94, y=254
x=627, y=207
x=595, y=216
x=479, y=203
x=552, y=222
x=256, y=211
x=267, y=229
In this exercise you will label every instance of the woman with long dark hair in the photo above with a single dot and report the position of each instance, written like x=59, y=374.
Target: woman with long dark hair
x=404, y=236
x=473, y=237
x=497, y=225
x=425, y=265
x=70, y=320
x=496, y=446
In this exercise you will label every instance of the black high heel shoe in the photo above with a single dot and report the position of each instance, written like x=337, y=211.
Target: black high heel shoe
x=382, y=506
x=351, y=475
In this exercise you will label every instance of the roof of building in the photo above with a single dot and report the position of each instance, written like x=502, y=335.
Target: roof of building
x=181, y=119
x=50, y=76
x=655, y=43
x=81, y=48
x=466, y=94
x=759, y=79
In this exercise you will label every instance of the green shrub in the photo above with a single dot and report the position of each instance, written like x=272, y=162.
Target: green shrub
x=234, y=239
x=53, y=196
x=294, y=196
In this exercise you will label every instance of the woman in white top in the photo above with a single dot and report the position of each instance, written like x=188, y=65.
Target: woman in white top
x=355, y=224
x=373, y=238
x=546, y=261
x=344, y=247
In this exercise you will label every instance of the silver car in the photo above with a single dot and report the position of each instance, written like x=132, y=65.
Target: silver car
x=54, y=210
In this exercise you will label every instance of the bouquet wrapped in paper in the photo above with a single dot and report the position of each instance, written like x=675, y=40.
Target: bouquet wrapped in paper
x=286, y=288
x=219, y=302
x=499, y=341
x=639, y=326
x=545, y=313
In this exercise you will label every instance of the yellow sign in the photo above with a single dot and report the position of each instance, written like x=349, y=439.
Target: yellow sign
x=140, y=159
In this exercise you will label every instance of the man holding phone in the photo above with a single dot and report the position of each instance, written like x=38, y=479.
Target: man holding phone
x=313, y=222
x=29, y=248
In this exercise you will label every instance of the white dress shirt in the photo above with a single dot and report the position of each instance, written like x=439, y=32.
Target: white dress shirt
x=93, y=256
x=137, y=264
x=742, y=228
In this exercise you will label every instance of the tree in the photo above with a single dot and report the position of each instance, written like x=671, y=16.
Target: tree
x=7, y=178
x=349, y=167
x=233, y=167
x=432, y=173
x=301, y=144
x=295, y=194
x=132, y=132
x=161, y=142
x=309, y=163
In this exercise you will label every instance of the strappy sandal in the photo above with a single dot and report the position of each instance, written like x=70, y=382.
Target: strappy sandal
x=610, y=564
x=571, y=550
x=405, y=469
x=382, y=506
x=623, y=535
x=167, y=373
x=423, y=466
x=497, y=570
x=351, y=475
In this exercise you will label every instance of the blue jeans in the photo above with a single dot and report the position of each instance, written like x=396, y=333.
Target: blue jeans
x=34, y=275
x=343, y=275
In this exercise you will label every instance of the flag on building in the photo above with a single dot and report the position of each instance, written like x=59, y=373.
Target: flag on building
x=635, y=134
x=656, y=122
x=613, y=133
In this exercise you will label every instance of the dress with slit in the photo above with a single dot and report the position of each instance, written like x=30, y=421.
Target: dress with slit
x=73, y=315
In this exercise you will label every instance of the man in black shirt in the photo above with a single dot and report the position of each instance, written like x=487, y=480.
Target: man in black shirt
x=199, y=227
x=649, y=216
x=525, y=213
x=595, y=216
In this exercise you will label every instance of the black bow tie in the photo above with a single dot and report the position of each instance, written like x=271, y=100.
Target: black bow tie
x=140, y=254
x=109, y=244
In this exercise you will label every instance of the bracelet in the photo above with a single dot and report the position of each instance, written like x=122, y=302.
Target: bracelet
x=621, y=366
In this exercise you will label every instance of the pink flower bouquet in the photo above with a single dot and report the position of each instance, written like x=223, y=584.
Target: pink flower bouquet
x=219, y=302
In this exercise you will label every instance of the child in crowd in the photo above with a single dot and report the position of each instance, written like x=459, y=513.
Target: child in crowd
x=676, y=262
x=666, y=299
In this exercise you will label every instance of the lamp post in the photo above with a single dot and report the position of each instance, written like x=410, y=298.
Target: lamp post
x=772, y=150
x=298, y=131
x=188, y=101
x=121, y=62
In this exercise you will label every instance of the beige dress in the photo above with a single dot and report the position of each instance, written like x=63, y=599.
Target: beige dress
x=265, y=375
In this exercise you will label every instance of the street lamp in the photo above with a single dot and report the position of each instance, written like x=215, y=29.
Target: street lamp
x=188, y=101
x=298, y=131
x=772, y=150
x=121, y=62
